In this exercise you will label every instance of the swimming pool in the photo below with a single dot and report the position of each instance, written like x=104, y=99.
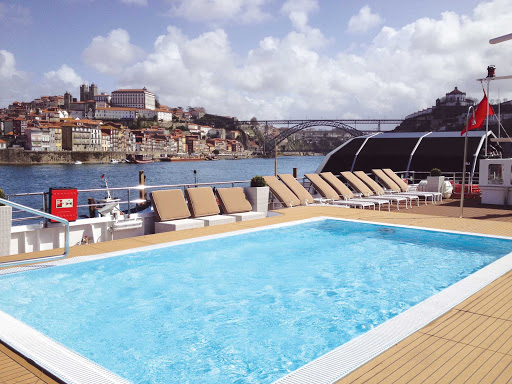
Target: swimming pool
x=248, y=308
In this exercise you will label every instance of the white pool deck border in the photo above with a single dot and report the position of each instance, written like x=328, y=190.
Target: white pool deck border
x=73, y=368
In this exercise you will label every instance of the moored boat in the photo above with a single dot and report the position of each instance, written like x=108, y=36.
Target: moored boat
x=176, y=159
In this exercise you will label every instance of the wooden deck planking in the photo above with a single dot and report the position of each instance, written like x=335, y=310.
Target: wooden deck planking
x=470, y=343
x=15, y=369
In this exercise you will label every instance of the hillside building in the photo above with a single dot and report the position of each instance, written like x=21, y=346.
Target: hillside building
x=133, y=98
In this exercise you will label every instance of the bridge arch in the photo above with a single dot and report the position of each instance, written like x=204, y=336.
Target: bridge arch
x=272, y=143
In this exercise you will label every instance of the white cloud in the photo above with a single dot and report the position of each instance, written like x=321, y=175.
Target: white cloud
x=298, y=11
x=135, y=2
x=63, y=78
x=401, y=71
x=110, y=54
x=364, y=21
x=241, y=11
x=13, y=83
x=184, y=70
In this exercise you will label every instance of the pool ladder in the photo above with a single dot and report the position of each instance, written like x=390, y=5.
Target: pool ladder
x=45, y=215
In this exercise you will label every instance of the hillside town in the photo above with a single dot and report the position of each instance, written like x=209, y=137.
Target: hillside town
x=131, y=122
x=128, y=120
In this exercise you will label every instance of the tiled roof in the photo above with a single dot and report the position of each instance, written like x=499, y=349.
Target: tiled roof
x=131, y=90
x=456, y=92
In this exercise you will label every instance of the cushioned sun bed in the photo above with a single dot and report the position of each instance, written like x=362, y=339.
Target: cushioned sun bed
x=327, y=191
x=379, y=191
x=171, y=211
x=203, y=206
x=362, y=188
x=299, y=191
x=281, y=192
x=233, y=203
x=347, y=194
x=395, y=188
x=406, y=188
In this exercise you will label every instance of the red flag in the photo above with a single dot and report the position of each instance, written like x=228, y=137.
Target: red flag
x=480, y=114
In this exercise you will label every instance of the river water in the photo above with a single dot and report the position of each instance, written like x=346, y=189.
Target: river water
x=39, y=178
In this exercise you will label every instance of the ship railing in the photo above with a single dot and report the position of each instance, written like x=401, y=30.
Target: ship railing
x=128, y=201
x=47, y=216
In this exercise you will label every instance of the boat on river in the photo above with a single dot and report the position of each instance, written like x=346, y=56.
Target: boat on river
x=139, y=159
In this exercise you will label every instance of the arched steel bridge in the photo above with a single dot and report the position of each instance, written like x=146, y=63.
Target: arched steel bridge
x=347, y=125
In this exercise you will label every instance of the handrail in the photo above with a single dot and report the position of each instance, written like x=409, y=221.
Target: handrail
x=48, y=216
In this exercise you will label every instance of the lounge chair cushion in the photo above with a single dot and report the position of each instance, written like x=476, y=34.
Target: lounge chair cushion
x=384, y=179
x=169, y=204
x=358, y=185
x=398, y=181
x=322, y=187
x=202, y=202
x=377, y=189
x=233, y=200
x=297, y=188
x=338, y=185
x=281, y=192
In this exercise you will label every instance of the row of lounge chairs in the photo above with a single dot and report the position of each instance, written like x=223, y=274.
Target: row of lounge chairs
x=173, y=213
x=368, y=193
x=204, y=208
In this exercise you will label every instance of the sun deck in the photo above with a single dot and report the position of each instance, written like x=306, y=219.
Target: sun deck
x=471, y=342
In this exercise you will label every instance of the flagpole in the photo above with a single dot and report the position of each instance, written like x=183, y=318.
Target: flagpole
x=487, y=116
x=464, y=161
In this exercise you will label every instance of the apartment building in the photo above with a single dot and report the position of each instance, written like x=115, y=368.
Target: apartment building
x=81, y=136
x=133, y=98
x=115, y=113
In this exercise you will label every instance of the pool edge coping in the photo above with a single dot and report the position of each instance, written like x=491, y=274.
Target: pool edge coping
x=340, y=361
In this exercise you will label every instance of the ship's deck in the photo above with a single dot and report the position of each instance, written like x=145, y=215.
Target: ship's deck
x=471, y=342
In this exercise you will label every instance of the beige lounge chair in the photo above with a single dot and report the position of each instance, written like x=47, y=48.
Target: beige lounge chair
x=233, y=203
x=203, y=206
x=301, y=192
x=406, y=188
x=326, y=191
x=347, y=194
x=362, y=188
x=281, y=192
x=379, y=191
x=171, y=211
x=395, y=188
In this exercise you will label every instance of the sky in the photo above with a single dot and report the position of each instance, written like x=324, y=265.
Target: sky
x=272, y=59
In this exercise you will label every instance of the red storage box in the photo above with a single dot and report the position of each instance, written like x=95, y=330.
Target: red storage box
x=63, y=203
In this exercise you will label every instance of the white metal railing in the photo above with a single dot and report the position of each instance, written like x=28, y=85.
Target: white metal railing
x=48, y=216
x=130, y=202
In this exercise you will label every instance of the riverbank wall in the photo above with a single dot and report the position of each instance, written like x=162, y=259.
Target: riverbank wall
x=20, y=156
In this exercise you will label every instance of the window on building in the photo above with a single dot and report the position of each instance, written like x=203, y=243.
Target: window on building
x=495, y=175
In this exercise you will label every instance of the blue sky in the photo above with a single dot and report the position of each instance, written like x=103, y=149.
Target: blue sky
x=264, y=58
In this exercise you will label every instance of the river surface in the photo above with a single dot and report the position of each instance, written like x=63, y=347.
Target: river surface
x=39, y=178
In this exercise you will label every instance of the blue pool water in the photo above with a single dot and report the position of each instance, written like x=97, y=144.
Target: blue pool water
x=241, y=309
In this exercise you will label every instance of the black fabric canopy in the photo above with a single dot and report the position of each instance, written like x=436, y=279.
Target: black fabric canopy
x=410, y=151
